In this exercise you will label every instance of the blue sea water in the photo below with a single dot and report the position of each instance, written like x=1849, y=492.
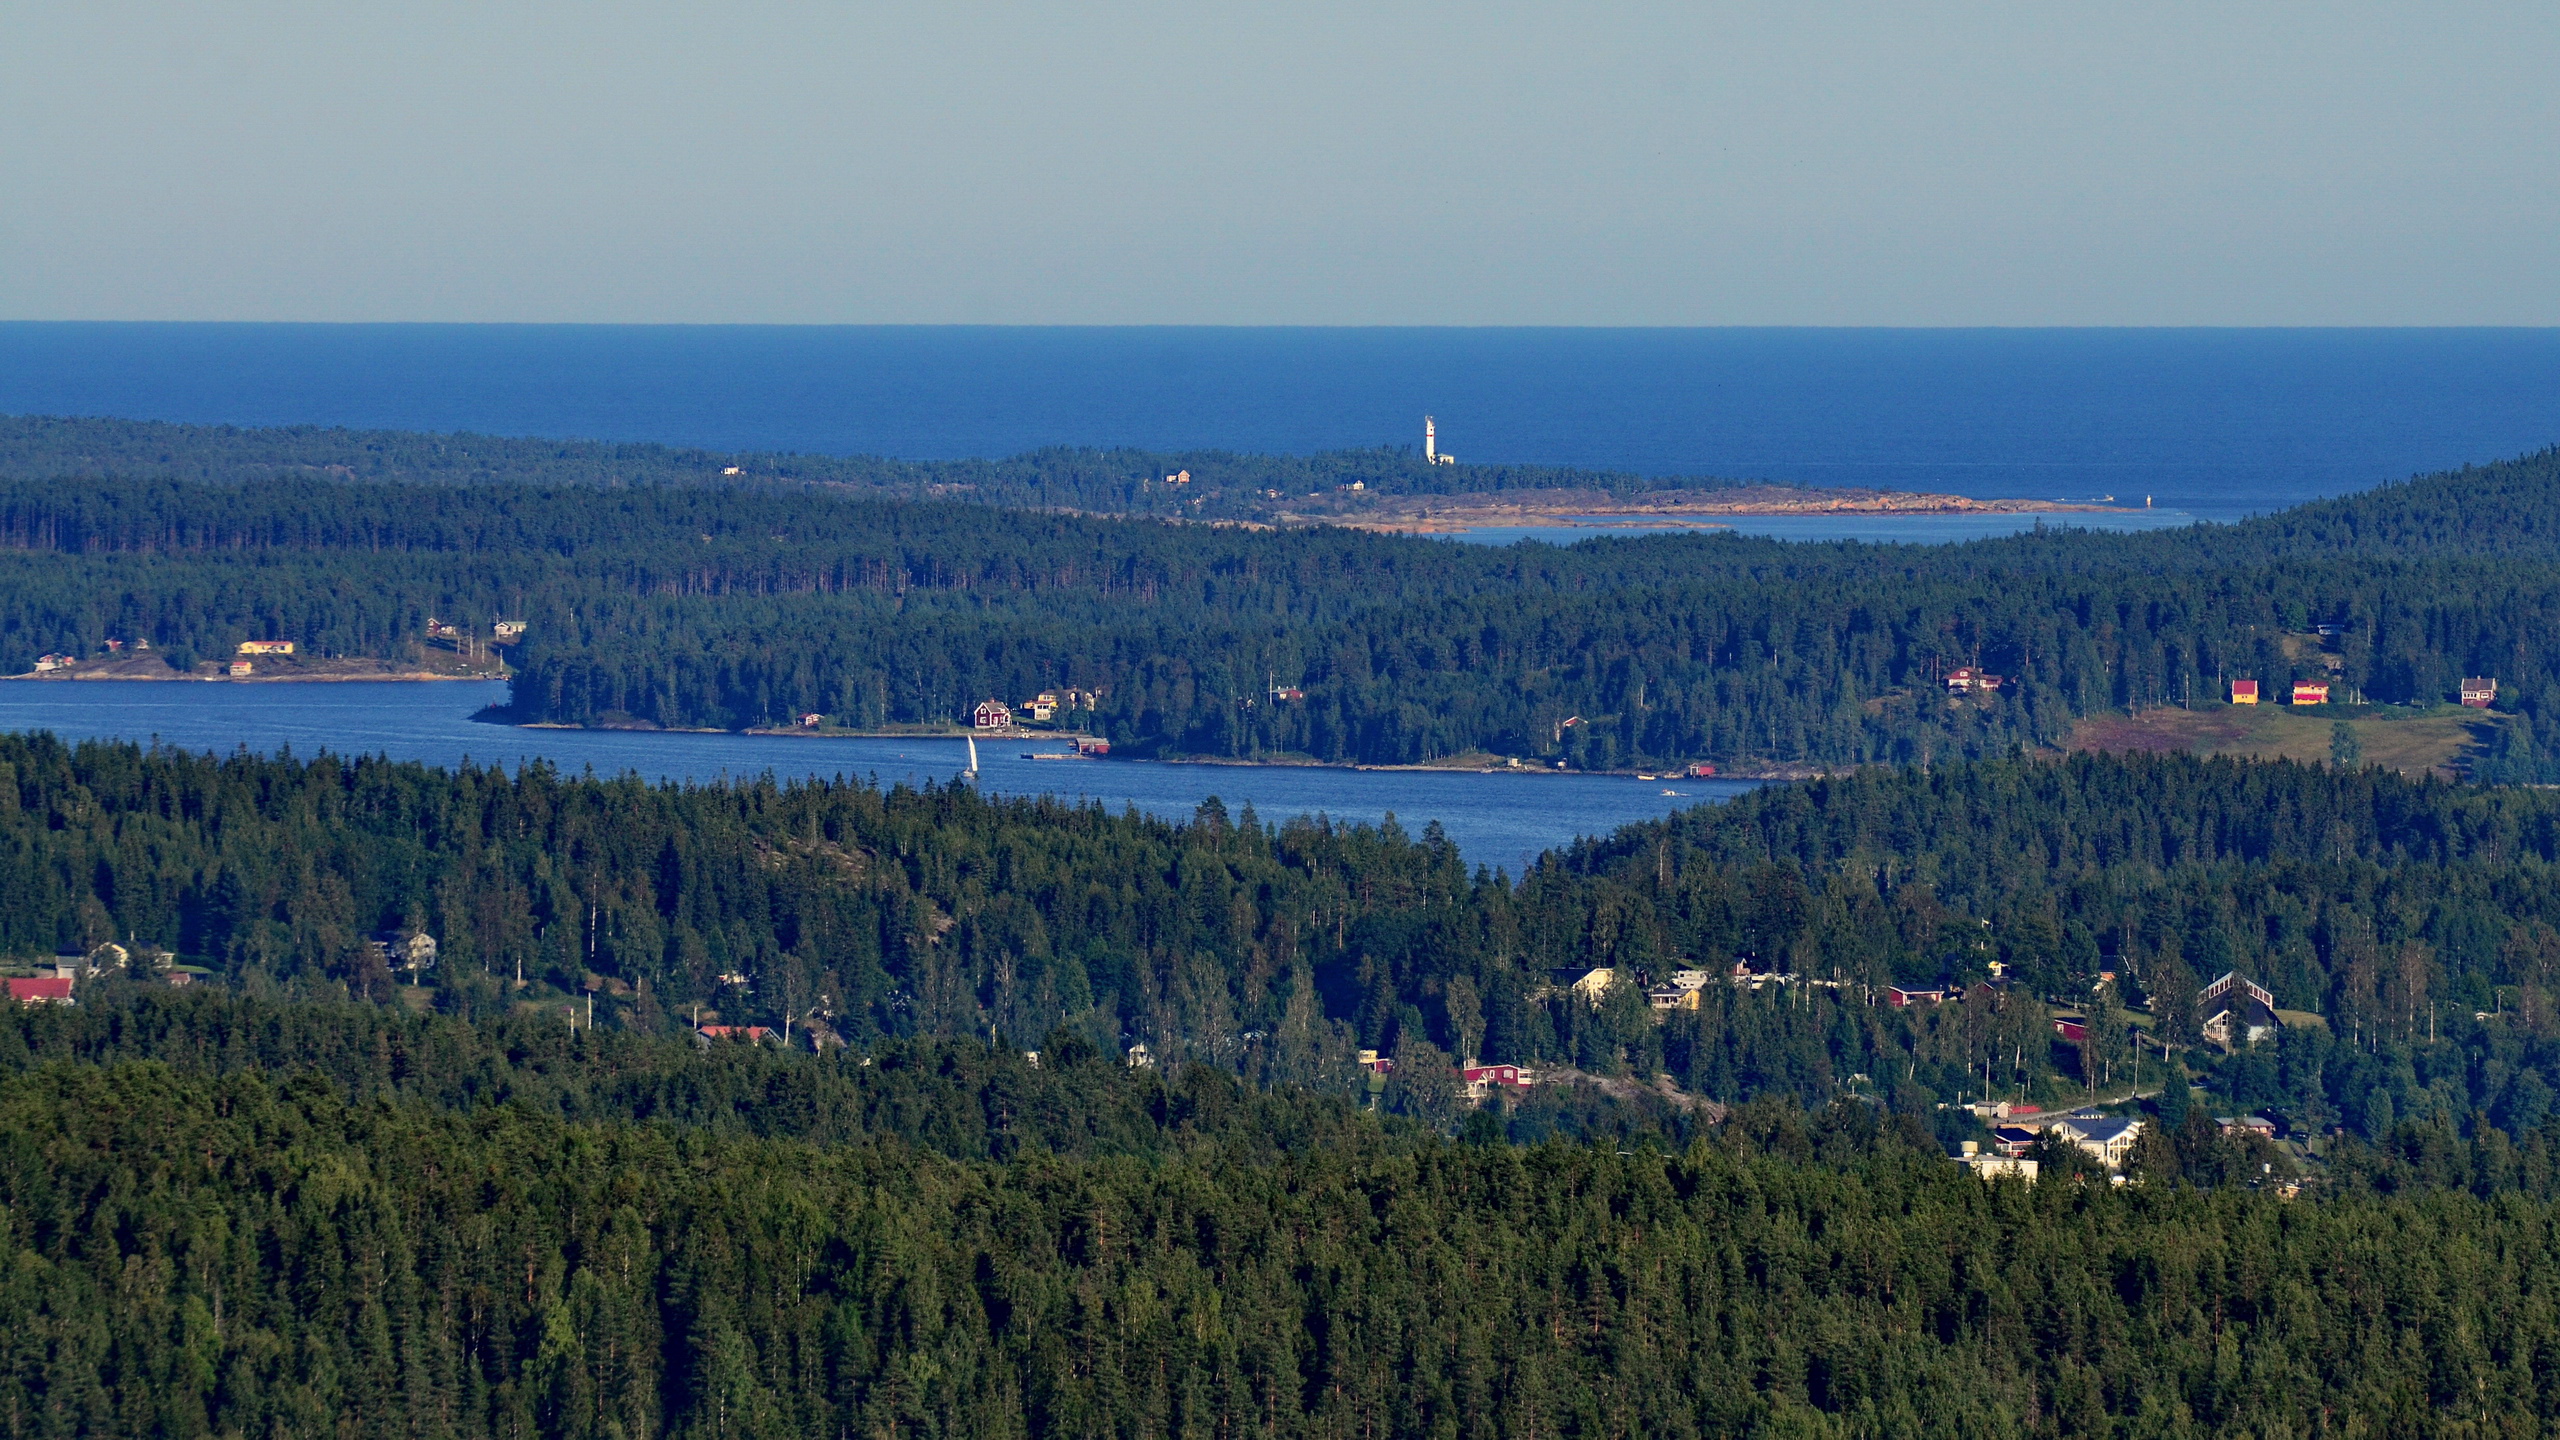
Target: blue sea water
x=1499, y=820
x=2211, y=423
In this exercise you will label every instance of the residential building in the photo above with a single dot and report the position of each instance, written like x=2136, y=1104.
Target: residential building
x=992, y=715
x=752, y=1034
x=1589, y=983
x=2244, y=692
x=1960, y=680
x=1140, y=1057
x=1481, y=1078
x=240, y=668
x=52, y=662
x=2071, y=1027
x=2479, y=691
x=812, y=721
x=1995, y=1166
x=266, y=647
x=1691, y=979
x=2310, y=692
x=43, y=990
x=1043, y=708
x=1377, y=1064
x=507, y=629
x=2108, y=1138
x=2014, y=1140
x=1672, y=997
x=2232, y=1010
x=1898, y=997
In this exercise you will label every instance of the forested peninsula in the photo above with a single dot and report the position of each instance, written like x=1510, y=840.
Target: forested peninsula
x=655, y=590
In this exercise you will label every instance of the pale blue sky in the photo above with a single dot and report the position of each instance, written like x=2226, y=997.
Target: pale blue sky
x=1283, y=164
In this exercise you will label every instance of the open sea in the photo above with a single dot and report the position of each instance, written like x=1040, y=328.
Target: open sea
x=2208, y=424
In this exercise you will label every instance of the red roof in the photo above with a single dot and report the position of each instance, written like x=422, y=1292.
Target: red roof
x=37, y=992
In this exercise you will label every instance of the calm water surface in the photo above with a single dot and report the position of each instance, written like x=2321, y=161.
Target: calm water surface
x=2217, y=423
x=1498, y=820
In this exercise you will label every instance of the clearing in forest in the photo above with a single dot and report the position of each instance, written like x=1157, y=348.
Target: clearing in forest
x=2442, y=740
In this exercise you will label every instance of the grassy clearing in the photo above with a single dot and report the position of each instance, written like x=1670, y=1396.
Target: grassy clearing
x=2439, y=741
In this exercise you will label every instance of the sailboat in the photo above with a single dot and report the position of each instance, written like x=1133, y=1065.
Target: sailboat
x=972, y=772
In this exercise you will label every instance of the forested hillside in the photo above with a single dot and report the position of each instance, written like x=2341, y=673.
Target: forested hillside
x=247, y=1255
x=699, y=605
x=2401, y=911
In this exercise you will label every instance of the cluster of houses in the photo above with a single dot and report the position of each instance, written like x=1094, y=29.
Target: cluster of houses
x=994, y=714
x=2108, y=1139
x=2477, y=691
x=57, y=980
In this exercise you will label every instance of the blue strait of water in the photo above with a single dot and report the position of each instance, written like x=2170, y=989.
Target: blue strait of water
x=2211, y=423
x=1495, y=820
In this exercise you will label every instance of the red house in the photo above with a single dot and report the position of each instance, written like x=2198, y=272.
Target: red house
x=2072, y=1030
x=51, y=990
x=1897, y=997
x=2478, y=692
x=992, y=715
x=1493, y=1075
x=752, y=1034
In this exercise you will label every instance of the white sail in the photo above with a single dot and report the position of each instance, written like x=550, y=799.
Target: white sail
x=972, y=771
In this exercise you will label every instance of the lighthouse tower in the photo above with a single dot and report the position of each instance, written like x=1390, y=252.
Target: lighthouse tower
x=1431, y=445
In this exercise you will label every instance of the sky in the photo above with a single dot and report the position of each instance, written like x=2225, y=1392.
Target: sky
x=1299, y=164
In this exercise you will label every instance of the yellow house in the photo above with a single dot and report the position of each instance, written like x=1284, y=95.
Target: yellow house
x=266, y=647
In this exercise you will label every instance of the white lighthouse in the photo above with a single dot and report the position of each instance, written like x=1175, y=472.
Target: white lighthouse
x=1431, y=445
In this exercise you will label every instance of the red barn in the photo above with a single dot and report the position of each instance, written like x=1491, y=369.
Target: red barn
x=50, y=990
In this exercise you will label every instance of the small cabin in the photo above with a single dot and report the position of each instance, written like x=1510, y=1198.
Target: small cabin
x=811, y=721
x=992, y=715
x=1703, y=770
x=241, y=668
x=2310, y=692
x=2479, y=691
x=2244, y=692
x=1092, y=745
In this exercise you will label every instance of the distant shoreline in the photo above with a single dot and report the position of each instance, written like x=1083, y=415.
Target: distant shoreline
x=1664, y=509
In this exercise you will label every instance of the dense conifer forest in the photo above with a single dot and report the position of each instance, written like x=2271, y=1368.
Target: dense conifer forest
x=659, y=593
